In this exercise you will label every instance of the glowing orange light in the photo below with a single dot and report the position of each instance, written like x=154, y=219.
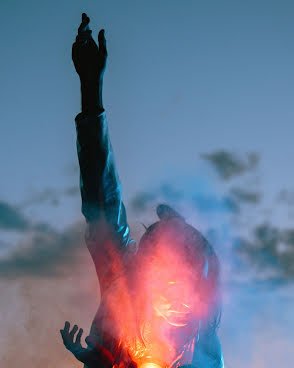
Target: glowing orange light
x=150, y=365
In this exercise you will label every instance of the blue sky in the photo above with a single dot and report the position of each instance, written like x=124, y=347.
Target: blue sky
x=188, y=76
x=184, y=78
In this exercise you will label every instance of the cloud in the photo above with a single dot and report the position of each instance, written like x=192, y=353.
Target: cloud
x=228, y=164
x=141, y=201
x=246, y=196
x=170, y=192
x=50, y=195
x=264, y=252
x=43, y=252
x=270, y=252
x=11, y=218
x=198, y=197
x=212, y=203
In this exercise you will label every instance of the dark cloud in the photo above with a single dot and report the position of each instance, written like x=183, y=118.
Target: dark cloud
x=228, y=164
x=288, y=237
x=270, y=250
x=167, y=193
x=266, y=253
x=44, y=252
x=11, y=218
x=142, y=200
x=246, y=196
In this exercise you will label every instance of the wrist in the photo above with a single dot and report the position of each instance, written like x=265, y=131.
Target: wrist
x=91, y=92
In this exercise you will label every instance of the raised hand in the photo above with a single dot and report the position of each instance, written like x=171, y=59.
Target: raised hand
x=68, y=338
x=89, y=59
x=95, y=356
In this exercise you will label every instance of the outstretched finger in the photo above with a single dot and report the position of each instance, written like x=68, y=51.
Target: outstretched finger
x=79, y=335
x=102, y=42
x=73, y=331
x=66, y=327
x=85, y=18
x=65, y=337
x=84, y=26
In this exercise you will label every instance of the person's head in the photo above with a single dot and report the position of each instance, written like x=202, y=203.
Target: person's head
x=177, y=275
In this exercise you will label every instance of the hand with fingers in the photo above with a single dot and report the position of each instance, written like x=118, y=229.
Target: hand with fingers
x=95, y=356
x=89, y=59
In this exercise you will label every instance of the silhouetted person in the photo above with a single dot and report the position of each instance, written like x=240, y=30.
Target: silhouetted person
x=181, y=294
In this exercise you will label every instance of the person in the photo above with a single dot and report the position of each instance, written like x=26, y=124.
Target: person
x=160, y=301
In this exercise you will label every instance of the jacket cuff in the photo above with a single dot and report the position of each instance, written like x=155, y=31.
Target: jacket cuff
x=85, y=116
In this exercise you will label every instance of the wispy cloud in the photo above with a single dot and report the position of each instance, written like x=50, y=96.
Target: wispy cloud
x=270, y=251
x=49, y=195
x=264, y=251
x=246, y=196
x=44, y=255
x=43, y=252
x=11, y=218
x=229, y=164
x=204, y=201
x=165, y=192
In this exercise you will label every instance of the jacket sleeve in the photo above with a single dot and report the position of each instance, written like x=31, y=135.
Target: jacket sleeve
x=99, y=182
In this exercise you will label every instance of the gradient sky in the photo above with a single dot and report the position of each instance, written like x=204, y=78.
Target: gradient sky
x=183, y=78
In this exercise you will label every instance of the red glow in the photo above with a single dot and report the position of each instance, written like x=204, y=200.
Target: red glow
x=155, y=307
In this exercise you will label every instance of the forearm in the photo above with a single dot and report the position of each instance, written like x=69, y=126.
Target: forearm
x=91, y=97
x=93, y=148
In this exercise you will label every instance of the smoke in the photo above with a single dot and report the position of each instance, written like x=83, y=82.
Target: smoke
x=256, y=254
x=47, y=276
x=152, y=302
x=43, y=252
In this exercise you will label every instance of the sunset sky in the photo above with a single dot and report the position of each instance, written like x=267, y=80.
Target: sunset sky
x=199, y=99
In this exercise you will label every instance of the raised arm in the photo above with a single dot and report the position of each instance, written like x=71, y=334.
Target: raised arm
x=99, y=182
